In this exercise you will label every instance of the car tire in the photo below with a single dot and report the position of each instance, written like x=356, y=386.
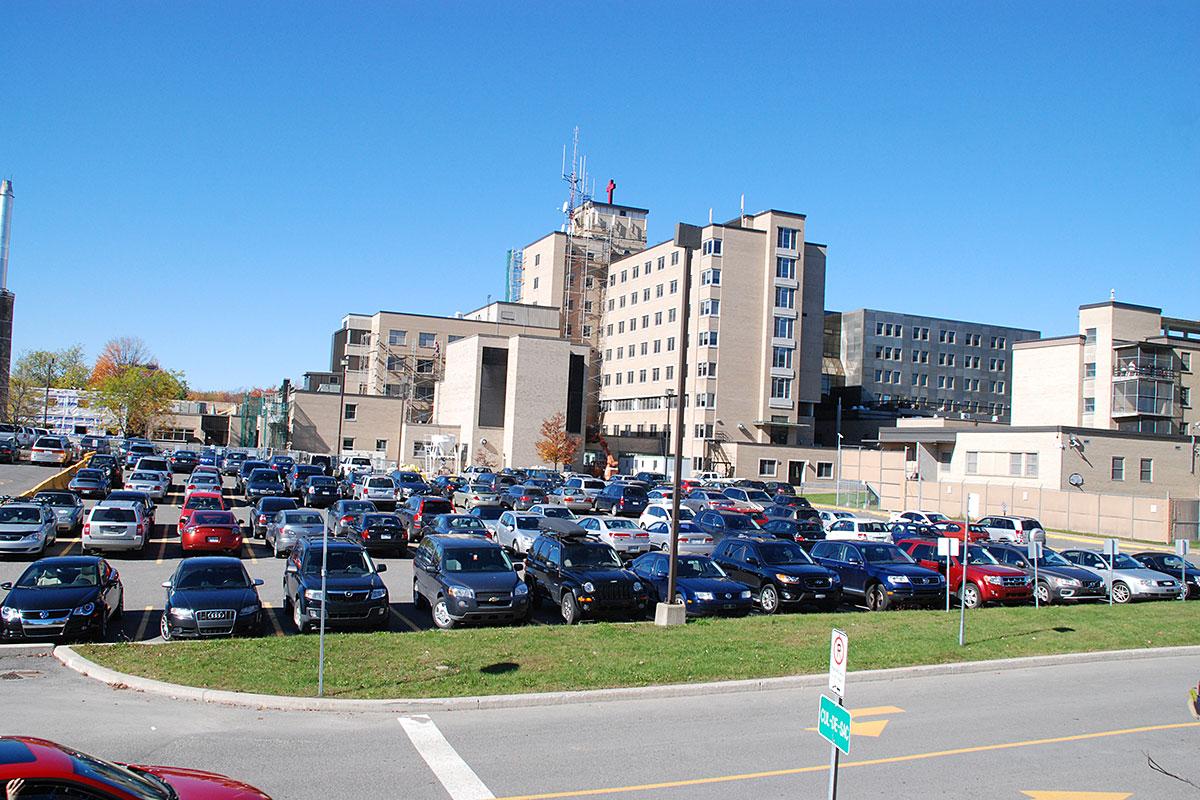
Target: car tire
x=972, y=597
x=877, y=599
x=301, y=626
x=768, y=599
x=569, y=607
x=1042, y=590
x=441, y=615
x=1121, y=593
x=164, y=630
x=418, y=598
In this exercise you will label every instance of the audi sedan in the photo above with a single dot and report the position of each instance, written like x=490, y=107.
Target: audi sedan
x=211, y=596
x=1128, y=580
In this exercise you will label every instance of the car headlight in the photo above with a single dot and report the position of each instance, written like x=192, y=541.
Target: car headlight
x=9, y=614
x=1064, y=581
x=461, y=592
x=521, y=589
x=895, y=580
x=835, y=578
x=84, y=610
x=589, y=587
x=704, y=595
x=378, y=594
x=993, y=580
x=181, y=613
x=637, y=586
x=746, y=595
x=250, y=609
x=313, y=594
x=786, y=578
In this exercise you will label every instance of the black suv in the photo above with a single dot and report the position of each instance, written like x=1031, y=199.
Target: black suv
x=419, y=508
x=582, y=576
x=522, y=497
x=622, y=499
x=778, y=572
x=356, y=594
x=464, y=578
x=264, y=482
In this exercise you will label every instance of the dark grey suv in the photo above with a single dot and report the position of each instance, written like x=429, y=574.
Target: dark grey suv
x=464, y=578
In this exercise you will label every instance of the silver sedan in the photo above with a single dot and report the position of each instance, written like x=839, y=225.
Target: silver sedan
x=27, y=528
x=1128, y=580
x=289, y=526
x=67, y=508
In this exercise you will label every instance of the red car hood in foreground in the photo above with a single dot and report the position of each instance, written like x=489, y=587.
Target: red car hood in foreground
x=194, y=784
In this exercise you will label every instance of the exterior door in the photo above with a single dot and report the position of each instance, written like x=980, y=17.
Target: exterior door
x=796, y=473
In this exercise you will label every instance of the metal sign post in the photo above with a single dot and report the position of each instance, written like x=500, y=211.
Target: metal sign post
x=972, y=511
x=1182, y=546
x=833, y=721
x=947, y=548
x=1035, y=553
x=1111, y=548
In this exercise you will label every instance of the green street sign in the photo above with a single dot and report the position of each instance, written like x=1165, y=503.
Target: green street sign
x=833, y=723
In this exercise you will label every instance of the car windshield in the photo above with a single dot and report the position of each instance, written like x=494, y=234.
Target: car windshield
x=103, y=461
x=146, y=476
x=872, y=527
x=205, y=478
x=476, y=559
x=9, y=516
x=621, y=525
x=380, y=483
x=55, y=498
x=885, y=554
x=980, y=557
x=264, y=475
x=529, y=523
x=459, y=523
x=89, y=474
x=480, y=487
x=375, y=520
x=341, y=562
x=204, y=503
x=213, y=576
x=1123, y=561
x=487, y=512
x=123, y=779
x=1175, y=562
x=303, y=518
x=756, y=496
x=53, y=575
x=560, y=513
x=739, y=522
x=356, y=506
x=214, y=518
x=1052, y=559
x=697, y=567
x=111, y=514
x=783, y=553
x=1030, y=524
x=585, y=555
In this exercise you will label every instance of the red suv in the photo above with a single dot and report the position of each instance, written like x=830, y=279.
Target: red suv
x=988, y=581
x=954, y=530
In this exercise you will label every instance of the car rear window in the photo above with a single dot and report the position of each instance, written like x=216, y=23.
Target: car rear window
x=214, y=518
x=277, y=504
x=379, y=483
x=89, y=474
x=208, y=503
x=381, y=520
x=49, y=443
x=145, y=476
x=437, y=507
x=321, y=480
x=108, y=514
x=264, y=475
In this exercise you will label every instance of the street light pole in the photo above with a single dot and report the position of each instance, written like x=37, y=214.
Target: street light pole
x=837, y=490
x=325, y=540
x=46, y=399
x=667, y=428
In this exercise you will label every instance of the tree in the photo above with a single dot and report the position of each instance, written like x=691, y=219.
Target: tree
x=118, y=353
x=135, y=395
x=556, y=444
x=34, y=371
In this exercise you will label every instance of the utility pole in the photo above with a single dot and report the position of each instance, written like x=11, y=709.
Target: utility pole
x=46, y=399
x=667, y=428
x=325, y=539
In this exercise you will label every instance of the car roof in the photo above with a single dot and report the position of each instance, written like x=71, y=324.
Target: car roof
x=204, y=494
x=203, y=561
x=117, y=504
x=554, y=526
x=463, y=538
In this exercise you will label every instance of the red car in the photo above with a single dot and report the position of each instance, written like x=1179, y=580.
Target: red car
x=954, y=530
x=200, y=501
x=51, y=770
x=988, y=581
x=211, y=531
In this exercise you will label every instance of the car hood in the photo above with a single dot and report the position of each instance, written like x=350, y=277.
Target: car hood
x=911, y=570
x=213, y=598
x=715, y=585
x=19, y=527
x=343, y=584
x=799, y=570
x=59, y=597
x=995, y=569
x=1144, y=574
x=1078, y=573
x=485, y=581
x=194, y=784
x=599, y=575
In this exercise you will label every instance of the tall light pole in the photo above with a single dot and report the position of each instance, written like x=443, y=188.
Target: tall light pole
x=837, y=486
x=667, y=428
x=325, y=539
x=46, y=399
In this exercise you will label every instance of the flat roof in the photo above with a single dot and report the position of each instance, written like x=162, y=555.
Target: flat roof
x=938, y=319
x=900, y=435
x=1117, y=304
x=1050, y=340
x=595, y=202
x=463, y=318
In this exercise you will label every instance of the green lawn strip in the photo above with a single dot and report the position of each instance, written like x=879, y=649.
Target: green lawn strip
x=549, y=658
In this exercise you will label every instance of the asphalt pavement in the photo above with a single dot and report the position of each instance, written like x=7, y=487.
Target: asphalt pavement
x=18, y=478
x=1012, y=733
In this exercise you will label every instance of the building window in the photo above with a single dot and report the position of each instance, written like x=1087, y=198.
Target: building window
x=426, y=339
x=654, y=373
x=781, y=357
x=785, y=328
x=1147, y=470
x=1118, y=468
x=674, y=287
x=587, y=331
x=670, y=372
x=706, y=400
x=635, y=270
x=587, y=306
x=1185, y=396
x=674, y=257
x=879, y=329
x=1014, y=464
x=1186, y=358
x=972, y=462
x=711, y=247
x=1031, y=465
x=607, y=379
x=670, y=315
x=710, y=307
x=707, y=369
x=589, y=282
x=618, y=379
x=347, y=442
x=788, y=237
x=381, y=445
x=624, y=275
x=781, y=388
x=396, y=338
x=767, y=467
x=644, y=346
x=785, y=268
x=946, y=337
x=1089, y=369
x=670, y=343
x=350, y=412
x=658, y=290
x=785, y=298
x=646, y=294
x=1089, y=336
x=824, y=469
x=633, y=324
x=424, y=366
x=641, y=376
x=395, y=363
x=658, y=345
x=710, y=277
x=1089, y=405
x=658, y=318
x=633, y=298
x=661, y=261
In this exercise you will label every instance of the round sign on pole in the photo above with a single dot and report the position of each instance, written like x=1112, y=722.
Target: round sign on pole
x=839, y=652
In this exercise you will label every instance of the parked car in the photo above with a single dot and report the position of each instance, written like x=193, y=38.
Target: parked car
x=287, y=526
x=154, y=464
x=455, y=524
x=1058, y=580
x=209, y=458
x=202, y=482
x=67, y=597
x=211, y=596
x=135, y=451
x=297, y=477
x=446, y=485
x=620, y=533
x=519, y=497
x=417, y=508
x=67, y=508
x=378, y=531
x=232, y=462
x=90, y=483
x=749, y=499
x=319, y=491
x=183, y=460
x=1020, y=530
x=797, y=530
x=338, y=515
x=244, y=471
x=489, y=516
x=281, y=464
x=911, y=530
x=581, y=576
x=27, y=528
x=56, y=766
x=661, y=512
x=10, y=451
x=719, y=524
x=211, y=532
x=149, y=509
x=353, y=464
x=265, y=510
x=986, y=580
x=704, y=499
x=200, y=501
x=110, y=464
x=775, y=488
x=880, y=574
x=52, y=450
x=115, y=525
x=408, y=483
x=552, y=510
x=1171, y=564
x=621, y=499
x=517, y=530
x=474, y=494
x=154, y=484
x=859, y=529
x=264, y=482
x=1129, y=580
x=701, y=586
x=356, y=595
x=465, y=578
x=692, y=540
x=778, y=573
x=577, y=493
x=379, y=489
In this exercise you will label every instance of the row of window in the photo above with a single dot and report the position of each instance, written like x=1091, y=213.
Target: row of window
x=380, y=444
x=945, y=336
x=633, y=322
x=654, y=374
x=670, y=288
x=1145, y=469
x=932, y=403
x=769, y=468
x=643, y=269
x=398, y=338
x=943, y=381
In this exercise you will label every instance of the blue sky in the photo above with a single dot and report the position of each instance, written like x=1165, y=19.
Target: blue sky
x=226, y=180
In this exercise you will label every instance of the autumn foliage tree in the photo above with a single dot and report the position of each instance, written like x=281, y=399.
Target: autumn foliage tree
x=557, y=445
x=119, y=353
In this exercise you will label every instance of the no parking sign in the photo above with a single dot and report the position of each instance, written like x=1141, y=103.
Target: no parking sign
x=839, y=651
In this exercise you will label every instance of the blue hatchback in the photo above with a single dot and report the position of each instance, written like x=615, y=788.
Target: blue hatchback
x=700, y=584
x=880, y=573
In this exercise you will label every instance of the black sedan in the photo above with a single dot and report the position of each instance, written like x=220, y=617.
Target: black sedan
x=378, y=531
x=211, y=596
x=184, y=460
x=68, y=597
x=1173, y=565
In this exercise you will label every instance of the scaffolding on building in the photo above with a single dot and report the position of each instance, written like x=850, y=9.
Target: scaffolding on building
x=514, y=276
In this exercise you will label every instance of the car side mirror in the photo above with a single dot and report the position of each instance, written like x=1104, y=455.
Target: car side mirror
x=381, y=567
x=1023, y=564
x=290, y=569
x=6, y=585
x=258, y=581
x=752, y=561
x=852, y=560
x=166, y=584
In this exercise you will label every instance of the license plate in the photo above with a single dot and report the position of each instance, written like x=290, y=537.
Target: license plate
x=729, y=605
x=819, y=596
x=214, y=539
x=385, y=536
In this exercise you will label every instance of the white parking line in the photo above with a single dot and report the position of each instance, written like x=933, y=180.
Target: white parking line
x=456, y=777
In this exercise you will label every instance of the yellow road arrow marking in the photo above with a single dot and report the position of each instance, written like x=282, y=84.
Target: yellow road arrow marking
x=1076, y=795
x=875, y=711
x=872, y=728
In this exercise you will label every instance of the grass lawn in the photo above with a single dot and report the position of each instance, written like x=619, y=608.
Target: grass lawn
x=545, y=658
x=854, y=499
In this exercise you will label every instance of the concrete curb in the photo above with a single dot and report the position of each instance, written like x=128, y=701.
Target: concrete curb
x=119, y=680
x=25, y=649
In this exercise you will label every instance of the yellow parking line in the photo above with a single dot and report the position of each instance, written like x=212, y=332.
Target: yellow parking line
x=408, y=623
x=162, y=552
x=141, y=631
x=274, y=620
x=70, y=544
x=746, y=776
